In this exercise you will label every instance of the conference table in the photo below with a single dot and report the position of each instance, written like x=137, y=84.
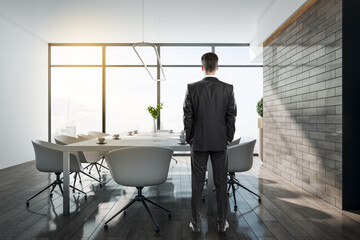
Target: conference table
x=162, y=139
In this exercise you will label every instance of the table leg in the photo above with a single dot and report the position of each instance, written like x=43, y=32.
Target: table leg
x=66, y=186
x=211, y=195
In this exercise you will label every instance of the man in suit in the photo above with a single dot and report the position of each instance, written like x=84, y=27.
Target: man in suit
x=209, y=122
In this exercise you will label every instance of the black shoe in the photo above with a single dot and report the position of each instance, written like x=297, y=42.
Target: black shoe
x=194, y=227
x=223, y=227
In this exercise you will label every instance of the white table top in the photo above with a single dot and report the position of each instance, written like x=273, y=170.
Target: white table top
x=163, y=139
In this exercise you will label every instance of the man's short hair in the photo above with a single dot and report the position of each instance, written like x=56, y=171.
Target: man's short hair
x=209, y=61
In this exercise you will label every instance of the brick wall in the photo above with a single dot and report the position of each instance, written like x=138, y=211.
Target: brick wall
x=303, y=102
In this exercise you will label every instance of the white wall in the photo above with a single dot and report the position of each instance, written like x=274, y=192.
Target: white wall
x=23, y=93
x=278, y=13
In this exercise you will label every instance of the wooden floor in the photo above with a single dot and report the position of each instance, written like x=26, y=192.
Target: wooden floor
x=286, y=211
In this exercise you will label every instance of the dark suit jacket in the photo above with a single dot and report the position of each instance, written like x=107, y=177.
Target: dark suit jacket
x=209, y=114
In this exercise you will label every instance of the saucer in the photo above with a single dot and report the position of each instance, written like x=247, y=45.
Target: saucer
x=182, y=143
x=116, y=138
x=101, y=143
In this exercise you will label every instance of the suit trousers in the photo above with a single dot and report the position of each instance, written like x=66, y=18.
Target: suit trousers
x=198, y=170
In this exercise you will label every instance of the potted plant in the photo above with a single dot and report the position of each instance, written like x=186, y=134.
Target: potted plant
x=259, y=109
x=155, y=112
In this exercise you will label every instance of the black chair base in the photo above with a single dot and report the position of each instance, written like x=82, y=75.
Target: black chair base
x=98, y=167
x=232, y=182
x=143, y=200
x=55, y=183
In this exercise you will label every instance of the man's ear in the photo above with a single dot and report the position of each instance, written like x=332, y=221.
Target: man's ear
x=202, y=67
x=217, y=67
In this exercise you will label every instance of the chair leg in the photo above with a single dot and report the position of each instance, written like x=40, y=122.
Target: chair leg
x=74, y=188
x=102, y=166
x=123, y=209
x=88, y=166
x=234, y=195
x=52, y=189
x=92, y=165
x=80, y=181
x=148, y=200
x=152, y=217
x=97, y=169
x=75, y=179
x=52, y=184
x=240, y=185
x=90, y=177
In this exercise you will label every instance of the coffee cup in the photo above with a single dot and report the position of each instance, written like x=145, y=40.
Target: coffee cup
x=130, y=133
x=101, y=139
x=135, y=131
x=171, y=131
x=182, y=140
x=116, y=136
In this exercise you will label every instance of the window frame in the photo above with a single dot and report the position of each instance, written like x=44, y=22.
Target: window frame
x=104, y=66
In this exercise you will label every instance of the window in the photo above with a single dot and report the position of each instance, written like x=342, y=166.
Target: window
x=80, y=82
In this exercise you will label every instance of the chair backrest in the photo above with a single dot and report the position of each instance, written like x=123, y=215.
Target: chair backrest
x=98, y=134
x=85, y=137
x=65, y=140
x=240, y=157
x=139, y=166
x=50, y=159
x=83, y=157
x=235, y=142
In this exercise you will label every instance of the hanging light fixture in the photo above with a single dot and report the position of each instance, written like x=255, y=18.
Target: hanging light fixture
x=146, y=44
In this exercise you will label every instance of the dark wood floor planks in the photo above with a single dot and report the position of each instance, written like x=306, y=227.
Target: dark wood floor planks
x=286, y=211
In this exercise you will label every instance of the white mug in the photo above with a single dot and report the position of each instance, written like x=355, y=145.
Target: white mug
x=101, y=139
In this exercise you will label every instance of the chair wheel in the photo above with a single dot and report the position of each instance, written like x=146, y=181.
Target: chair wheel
x=27, y=204
x=85, y=197
x=157, y=230
x=89, y=172
x=235, y=208
x=100, y=184
x=106, y=226
x=259, y=200
x=124, y=212
x=203, y=199
x=169, y=214
x=80, y=181
x=73, y=190
x=51, y=195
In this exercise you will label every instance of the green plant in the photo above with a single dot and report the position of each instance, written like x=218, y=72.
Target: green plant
x=259, y=107
x=155, y=111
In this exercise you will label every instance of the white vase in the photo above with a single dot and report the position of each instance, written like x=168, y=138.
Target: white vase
x=154, y=131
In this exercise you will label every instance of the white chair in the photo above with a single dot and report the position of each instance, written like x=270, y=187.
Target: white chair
x=240, y=159
x=85, y=137
x=91, y=158
x=139, y=167
x=49, y=158
x=98, y=134
x=235, y=142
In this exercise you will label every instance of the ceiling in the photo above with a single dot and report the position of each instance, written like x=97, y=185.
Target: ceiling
x=121, y=20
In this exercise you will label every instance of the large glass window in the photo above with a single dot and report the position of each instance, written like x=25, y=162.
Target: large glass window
x=75, y=100
x=182, y=55
x=129, y=92
x=74, y=55
x=77, y=83
x=248, y=86
x=172, y=94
